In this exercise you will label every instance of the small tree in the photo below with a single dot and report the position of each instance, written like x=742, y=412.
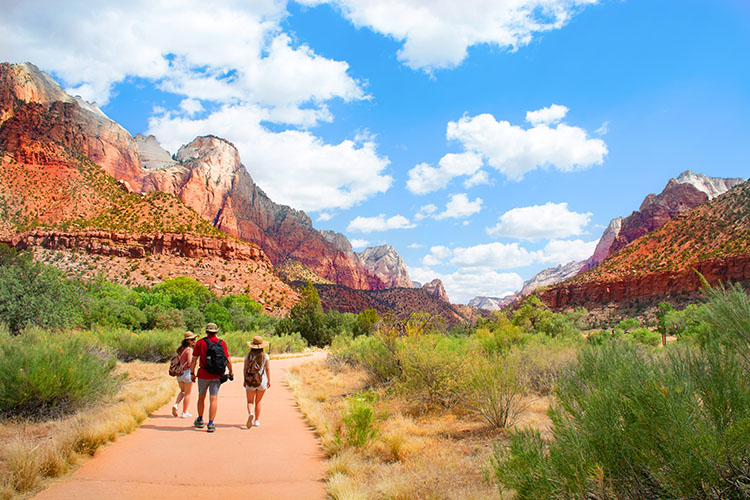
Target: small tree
x=32, y=293
x=307, y=318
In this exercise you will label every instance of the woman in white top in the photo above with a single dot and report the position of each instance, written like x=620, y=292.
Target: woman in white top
x=184, y=381
x=257, y=379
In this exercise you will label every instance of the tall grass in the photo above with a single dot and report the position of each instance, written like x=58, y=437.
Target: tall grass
x=277, y=344
x=44, y=374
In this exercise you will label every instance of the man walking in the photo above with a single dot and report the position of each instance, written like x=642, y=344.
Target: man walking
x=213, y=356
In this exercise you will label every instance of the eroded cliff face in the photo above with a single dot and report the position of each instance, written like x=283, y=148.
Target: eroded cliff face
x=211, y=179
x=34, y=108
x=651, y=287
x=436, y=289
x=384, y=262
x=223, y=265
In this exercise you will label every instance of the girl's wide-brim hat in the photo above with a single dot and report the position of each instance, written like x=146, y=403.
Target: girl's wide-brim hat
x=190, y=335
x=257, y=343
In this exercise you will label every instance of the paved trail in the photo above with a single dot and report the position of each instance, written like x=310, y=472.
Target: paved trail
x=166, y=458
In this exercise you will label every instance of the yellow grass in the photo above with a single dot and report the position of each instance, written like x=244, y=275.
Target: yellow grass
x=32, y=454
x=435, y=456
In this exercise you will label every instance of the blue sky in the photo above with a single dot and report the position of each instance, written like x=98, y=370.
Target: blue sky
x=485, y=140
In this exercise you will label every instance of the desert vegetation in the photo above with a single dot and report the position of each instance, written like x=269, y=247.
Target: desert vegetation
x=533, y=404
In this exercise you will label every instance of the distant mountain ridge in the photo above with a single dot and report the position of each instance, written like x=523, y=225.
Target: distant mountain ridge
x=384, y=262
x=713, y=238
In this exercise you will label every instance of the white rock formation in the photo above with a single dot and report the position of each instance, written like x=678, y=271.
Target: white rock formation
x=551, y=275
x=153, y=156
x=385, y=263
x=712, y=186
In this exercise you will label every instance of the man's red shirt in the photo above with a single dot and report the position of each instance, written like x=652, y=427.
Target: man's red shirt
x=200, y=350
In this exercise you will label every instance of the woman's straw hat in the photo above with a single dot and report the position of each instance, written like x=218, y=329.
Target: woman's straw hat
x=190, y=335
x=257, y=343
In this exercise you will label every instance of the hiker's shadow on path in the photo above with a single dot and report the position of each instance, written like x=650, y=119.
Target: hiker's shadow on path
x=191, y=428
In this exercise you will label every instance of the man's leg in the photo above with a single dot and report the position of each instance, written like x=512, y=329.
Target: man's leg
x=213, y=403
x=201, y=404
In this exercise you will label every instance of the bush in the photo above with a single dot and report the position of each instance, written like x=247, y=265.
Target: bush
x=148, y=345
x=501, y=336
x=542, y=362
x=645, y=336
x=629, y=425
x=33, y=294
x=277, y=344
x=376, y=354
x=307, y=318
x=44, y=374
x=183, y=292
x=496, y=390
x=434, y=370
x=359, y=419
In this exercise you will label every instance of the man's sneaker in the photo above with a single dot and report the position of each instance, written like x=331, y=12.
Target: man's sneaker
x=198, y=423
x=210, y=427
x=249, y=422
x=256, y=423
x=174, y=410
x=186, y=415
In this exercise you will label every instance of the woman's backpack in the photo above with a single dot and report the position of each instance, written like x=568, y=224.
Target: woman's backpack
x=175, y=366
x=255, y=369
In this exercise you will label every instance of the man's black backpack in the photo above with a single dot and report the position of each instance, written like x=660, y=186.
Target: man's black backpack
x=216, y=360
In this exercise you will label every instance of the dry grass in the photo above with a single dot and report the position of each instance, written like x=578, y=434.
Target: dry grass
x=436, y=456
x=32, y=453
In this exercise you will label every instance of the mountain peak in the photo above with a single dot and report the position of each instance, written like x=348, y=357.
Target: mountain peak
x=386, y=264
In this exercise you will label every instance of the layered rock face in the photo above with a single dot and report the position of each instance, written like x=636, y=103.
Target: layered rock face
x=211, y=179
x=680, y=195
x=33, y=108
x=651, y=287
x=138, y=246
x=436, y=289
x=387, y=265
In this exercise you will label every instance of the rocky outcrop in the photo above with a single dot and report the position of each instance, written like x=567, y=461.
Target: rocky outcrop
x=138, y=246
x=712, y=186
x=33, y=108
x=211, y=179
x=605, y=242
x=486, y=303
x=651, y=287
x=436, y=289
x=402, y=302
x=551, y=275
x=152, y=155
x=656, y=210
x=680, y=195
x=386, y=264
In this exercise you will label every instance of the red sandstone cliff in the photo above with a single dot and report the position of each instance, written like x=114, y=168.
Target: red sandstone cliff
x=211, y=179
x=33, y=107
x=713, y=238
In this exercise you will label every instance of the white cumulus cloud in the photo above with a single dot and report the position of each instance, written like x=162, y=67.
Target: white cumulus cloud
x=549, y=115
x=459, y=207
x=563, y=251
x=379, y=223
x=425, y=178
x=514, y=151
x=357, y=243
x=437, y=33
x=549, y=221
x=493, y=256
x=465, y=284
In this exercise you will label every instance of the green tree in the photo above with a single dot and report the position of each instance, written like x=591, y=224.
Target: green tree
x=307, y=318
x=184, y=292
x=32, y=293
x=365, y=322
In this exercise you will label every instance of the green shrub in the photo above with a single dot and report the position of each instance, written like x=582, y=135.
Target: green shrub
x=501, y=336
x=183, y=292
x=496, y=391
x=542, y=361
x=44, y=374
x=277, y=344
x=631, y=425
x=645, y=336
x=216, y=313
x=194, y=320
x=359, y=418
x=434, y=370
x=365, y=322
x=376, y=354
x=34, y=294
x=147, y=345
x=307, y=318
